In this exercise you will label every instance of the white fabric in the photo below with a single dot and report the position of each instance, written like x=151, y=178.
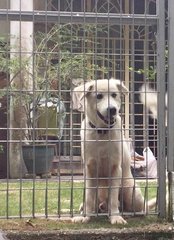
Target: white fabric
x=149, y=163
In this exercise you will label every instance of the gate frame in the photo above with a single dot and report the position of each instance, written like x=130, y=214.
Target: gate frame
x=158, y=20
x=161, y=156
x=170, y=114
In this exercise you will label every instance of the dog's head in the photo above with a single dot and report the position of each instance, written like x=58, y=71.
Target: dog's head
x=102, y=99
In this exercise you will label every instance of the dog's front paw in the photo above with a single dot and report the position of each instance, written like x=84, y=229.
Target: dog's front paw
x=80, y=219
x=117, y=220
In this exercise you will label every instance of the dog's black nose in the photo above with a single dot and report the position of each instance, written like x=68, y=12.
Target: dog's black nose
x=112, y=111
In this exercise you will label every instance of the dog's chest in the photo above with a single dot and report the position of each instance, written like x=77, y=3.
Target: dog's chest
x=103, y=136
x=102, y=152
x=103, y=146
x=102, y=159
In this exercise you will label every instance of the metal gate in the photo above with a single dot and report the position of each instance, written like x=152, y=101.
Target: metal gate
x=49, y=47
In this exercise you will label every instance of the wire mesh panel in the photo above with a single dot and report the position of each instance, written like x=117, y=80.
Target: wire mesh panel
x=52, y=52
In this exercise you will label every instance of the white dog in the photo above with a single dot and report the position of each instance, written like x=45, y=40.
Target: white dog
x=105, y=153
x=149, y=99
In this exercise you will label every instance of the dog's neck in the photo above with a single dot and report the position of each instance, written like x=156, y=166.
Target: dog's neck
x=101, y=130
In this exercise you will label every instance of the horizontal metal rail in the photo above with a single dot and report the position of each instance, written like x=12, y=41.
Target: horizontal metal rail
x=78, y=17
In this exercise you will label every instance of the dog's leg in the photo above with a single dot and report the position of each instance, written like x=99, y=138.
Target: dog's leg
x=91, y=194
x=89, y=207
x=131, y=198
x=115, y=218
x=130, y=195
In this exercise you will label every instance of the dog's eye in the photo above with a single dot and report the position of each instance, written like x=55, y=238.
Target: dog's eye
x=99, y=96
x=114, y=95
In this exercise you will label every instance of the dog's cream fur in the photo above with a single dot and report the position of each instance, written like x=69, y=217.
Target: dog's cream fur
x=105, y=153
x=149, y=98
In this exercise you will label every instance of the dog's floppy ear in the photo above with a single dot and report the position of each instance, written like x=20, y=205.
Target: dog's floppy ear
x=79, y=93
x=121, y=87
x=84, y=89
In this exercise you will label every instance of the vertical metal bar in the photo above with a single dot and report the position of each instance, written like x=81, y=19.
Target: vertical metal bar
x=161, y=106
x=95, y=74
x=110, y=73
x=132, y=76
x=20, y=50
x=170, y=119
x=131, y=127
x=60, y=140
x=122, y=76
x=170, y=116
x=126, y=69
x=8, y=133
x=33, y=197
x=170, y=189
x=146, y=66
x=72, y=131
x=47, y=99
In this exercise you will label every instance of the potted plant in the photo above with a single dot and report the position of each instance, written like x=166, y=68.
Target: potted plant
x=45, y=122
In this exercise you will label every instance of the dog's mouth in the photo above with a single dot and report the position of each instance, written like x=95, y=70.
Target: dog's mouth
x=108, y=120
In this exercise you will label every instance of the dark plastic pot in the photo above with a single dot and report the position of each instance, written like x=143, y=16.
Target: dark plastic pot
x=38, y=158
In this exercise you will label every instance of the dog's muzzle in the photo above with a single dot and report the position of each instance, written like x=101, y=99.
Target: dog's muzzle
x=109, y=119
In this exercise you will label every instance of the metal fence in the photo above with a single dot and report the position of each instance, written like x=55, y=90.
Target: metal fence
x=47, y=48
